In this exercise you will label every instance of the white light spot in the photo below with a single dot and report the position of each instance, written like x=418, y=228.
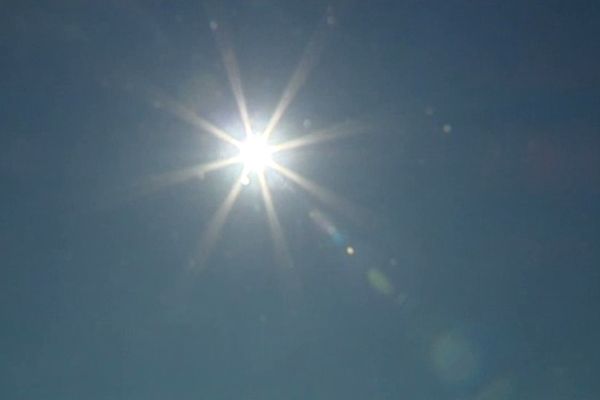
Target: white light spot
x=255, y=154
x=350, y=250
x=447, y=128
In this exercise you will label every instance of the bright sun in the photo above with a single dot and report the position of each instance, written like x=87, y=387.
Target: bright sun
x=255, y=154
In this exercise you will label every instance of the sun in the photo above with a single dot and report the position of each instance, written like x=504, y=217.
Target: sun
x=255, y=153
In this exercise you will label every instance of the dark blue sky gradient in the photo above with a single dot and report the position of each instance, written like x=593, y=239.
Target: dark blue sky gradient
x=477, y=180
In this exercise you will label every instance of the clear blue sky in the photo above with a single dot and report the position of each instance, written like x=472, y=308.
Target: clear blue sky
x=460, y=260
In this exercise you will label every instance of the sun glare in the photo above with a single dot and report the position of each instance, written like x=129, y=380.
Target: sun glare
x=255, y=154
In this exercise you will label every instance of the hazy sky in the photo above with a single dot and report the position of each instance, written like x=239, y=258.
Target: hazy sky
x=454, y=256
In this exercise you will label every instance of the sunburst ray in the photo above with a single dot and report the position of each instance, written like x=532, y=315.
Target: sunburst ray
x=158, y=98
x=212, y=232
x=322, y=194
x=277, y=234
x=338, y=131
x=160, y=181
x=229, y=58
x=156, y=183
x=196, y=120
x=308, y=61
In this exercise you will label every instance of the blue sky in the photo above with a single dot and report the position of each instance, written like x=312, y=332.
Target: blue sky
x=458, y=260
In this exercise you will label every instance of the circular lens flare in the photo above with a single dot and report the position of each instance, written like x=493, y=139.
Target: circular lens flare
x=255, y=154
